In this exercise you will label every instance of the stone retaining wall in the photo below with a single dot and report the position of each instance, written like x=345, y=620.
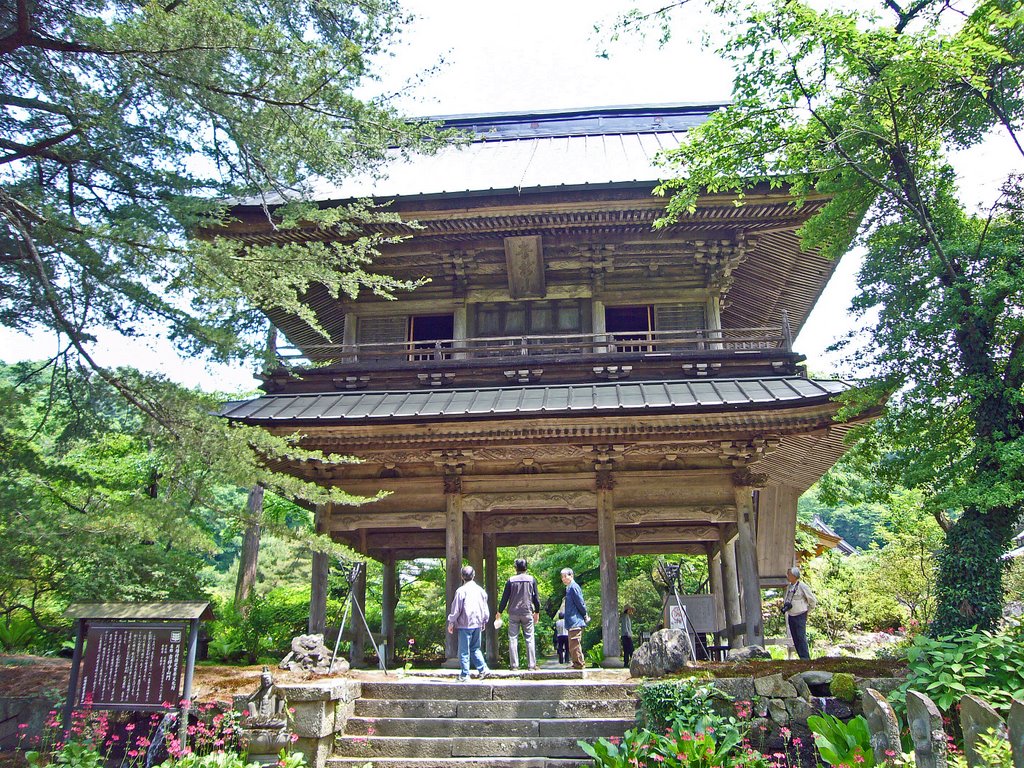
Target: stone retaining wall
x=29, y=711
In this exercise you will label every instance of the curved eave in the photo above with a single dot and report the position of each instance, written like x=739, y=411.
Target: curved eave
x=529, y=402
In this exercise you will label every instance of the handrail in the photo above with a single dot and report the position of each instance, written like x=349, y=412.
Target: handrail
x=491, y=347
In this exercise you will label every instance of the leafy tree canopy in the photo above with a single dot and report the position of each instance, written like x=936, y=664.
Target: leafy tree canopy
x=126, y=128
x=861, y=108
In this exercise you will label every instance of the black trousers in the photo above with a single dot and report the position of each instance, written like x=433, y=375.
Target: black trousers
x=562, y=646
x=798, y=629
x=627, y=649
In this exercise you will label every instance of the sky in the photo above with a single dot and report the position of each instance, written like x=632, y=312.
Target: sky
x=528, y=55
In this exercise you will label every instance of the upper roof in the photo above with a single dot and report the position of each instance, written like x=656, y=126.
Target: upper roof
x=624, y=397
x=528, y=150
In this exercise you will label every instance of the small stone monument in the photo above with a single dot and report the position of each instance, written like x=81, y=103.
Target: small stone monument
x=926, y=730
x=309, y=654
x=1016, y=725
x=882, y=725
x=976, y=719
x=264, y=726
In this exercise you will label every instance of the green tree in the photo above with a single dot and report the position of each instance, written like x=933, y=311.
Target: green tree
x=857, y=112
x=126, y=128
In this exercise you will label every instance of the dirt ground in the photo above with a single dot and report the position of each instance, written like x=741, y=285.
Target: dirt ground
x=27, y=675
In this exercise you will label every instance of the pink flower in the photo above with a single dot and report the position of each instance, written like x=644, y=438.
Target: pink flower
x=615, y=740
x=858, y=758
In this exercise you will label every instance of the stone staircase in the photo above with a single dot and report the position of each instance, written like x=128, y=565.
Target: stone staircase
x=497, y=723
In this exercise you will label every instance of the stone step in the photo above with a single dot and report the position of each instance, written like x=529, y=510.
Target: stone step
x=374, y=747
x=447, y=727
x=503, y=690
x=457, y=762
x=572, y=708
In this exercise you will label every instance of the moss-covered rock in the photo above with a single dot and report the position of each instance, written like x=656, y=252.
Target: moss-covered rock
x=843, y=686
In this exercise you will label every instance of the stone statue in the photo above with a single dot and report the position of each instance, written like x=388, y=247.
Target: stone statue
x=882, y=724
x=978, y=718
x=263, y=709
x=926, y=730
x=1016, y=724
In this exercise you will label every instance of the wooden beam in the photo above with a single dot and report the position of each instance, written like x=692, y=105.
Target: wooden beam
x=321, y=570
x=354, y=521
x=606, y=538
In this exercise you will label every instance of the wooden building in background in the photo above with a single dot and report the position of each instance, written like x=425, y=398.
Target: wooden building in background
x=569, y=374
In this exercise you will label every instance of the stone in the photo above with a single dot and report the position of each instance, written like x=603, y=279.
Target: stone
x=976, y=719
x=884, y=685
x=1015, y=722
x=778, y=712
x=748, y=653
x=774, y=686
x=882, y=725
x=309, y=654
x=816, y=677
x=667, y=651
x=263, y=708
x=739, y=688
x=799, y=710
x=802, y=690
x=926, y=730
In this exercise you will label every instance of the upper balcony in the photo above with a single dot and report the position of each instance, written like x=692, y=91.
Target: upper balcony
x=527, y=359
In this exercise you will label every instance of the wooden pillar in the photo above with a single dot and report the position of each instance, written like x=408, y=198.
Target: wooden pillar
x=491, y=585
x=731, y=592
x=356, y=625
x=746, y=561
x=717, y=592
x=453, y=558
x=609, y=572
x=321, y=570
x=389, y=599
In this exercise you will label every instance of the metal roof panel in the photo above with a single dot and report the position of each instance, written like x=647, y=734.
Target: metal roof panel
x=630, y=396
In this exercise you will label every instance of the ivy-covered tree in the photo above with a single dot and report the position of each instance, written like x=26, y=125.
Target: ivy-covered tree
x=862, y=108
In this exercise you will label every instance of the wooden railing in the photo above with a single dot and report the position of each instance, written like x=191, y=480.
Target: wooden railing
x=659, y=343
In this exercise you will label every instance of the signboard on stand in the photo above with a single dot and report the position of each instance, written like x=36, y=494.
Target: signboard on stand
x=134, y=656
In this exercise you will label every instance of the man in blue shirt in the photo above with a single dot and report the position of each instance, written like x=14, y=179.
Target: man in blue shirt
x=576, y=617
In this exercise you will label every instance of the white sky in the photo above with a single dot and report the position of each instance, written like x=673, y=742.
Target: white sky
x=530, y=55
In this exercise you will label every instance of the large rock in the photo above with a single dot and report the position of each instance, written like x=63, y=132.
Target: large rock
x=774, y=686
x=748, y=653
x=667, y=651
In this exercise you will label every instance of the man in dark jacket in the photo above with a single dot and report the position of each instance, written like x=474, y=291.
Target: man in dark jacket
x=523, y=603
x=576, y=617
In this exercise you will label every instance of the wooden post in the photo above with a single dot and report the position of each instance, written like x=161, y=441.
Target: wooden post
x=491, y=585
x=715, y=583
x=746, y=561
x=609, y=572
x=475, y=549
x=453, y=558
x=356, y=625
x=387, y=607
x=321, y=570
x=731, y=592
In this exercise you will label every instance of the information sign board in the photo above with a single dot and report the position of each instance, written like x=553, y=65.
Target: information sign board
x=131, y=665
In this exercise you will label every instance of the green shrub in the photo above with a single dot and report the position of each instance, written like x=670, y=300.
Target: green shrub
x=17, y=633
x=843, y=686
x=685, y=704
x=842, y=744
x=678, y=748
x=595, y=655
x=987, y=664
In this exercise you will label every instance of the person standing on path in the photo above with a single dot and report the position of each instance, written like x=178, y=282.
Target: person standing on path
x=562, y=639
x=576, y=617
x=469, y=615
x=797, y=602
x=523, y=603
x=626, y=626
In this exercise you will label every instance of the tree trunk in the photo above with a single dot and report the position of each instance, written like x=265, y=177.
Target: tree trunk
x=249, y=557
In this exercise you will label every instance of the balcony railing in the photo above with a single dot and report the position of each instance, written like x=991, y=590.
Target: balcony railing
x=653, y=343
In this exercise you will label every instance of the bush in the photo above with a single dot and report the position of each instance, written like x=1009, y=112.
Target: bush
x=685, y=704
x=987, y=664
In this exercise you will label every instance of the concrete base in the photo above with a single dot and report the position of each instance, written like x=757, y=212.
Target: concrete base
x=612, y=663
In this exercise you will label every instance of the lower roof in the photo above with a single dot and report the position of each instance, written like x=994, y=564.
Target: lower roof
x=553, y=400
